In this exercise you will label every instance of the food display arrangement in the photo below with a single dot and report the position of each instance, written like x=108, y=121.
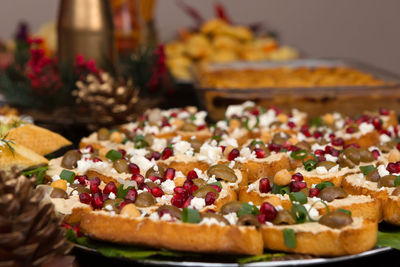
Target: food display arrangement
x=219, y=41
x=259, y=180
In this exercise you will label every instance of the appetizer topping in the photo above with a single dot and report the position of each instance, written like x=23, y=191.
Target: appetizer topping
x=336, y=219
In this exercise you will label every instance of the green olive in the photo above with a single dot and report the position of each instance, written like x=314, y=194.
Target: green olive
x=327, y=164
x=172, y=210
x=58, y=193
x=396, y=192
x=331, y=193
x=145, y=199
x=336, y=219
x=345, y=162
x=353, y=154
x=79, y=188
x=121, y=165
x=233, y=206
x=151, y=184
x=248, y=220
x=196, y=144
x=103, y=134
x=215, y=216
x=189, y=127
x=199, y=182
x=387, y=147
x=284, y=217
x=203, y=191
x=387, y=181
x=152, y=172
x=366, y=155
x=149, y=139
x=303, y=145
x=70, y=159
x=373, y=176
x=113, y=203
x=278, y=139
x=222, y=171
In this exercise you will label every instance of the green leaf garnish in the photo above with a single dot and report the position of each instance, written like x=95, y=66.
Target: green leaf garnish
x=289, y=238
x=348, y=212
x=299, y=154
x=67, y=176
x=389, y=239
x=299, y=213
x=7, y=142
x=121, y=193
x=367, y=169
x=299, y=197
x=323, y=185
x=140, y=141
x=247, y=209
x=192, y=117
x=190, y=215
x=40, y=171
x=317, y=121
x=246, y=124
x=257, y=258
x=310, y=164
x=113, y=155
x=397, y=181
x=276, y=189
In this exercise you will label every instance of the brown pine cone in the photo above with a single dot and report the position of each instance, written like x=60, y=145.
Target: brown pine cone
x=30, y=234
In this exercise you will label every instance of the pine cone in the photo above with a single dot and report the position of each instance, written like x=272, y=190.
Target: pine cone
x=30, y=234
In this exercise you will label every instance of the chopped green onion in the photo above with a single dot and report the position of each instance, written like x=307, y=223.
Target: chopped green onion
x=299, y=197
x=367, y=169
x=113, y=155
x=289, y=238
x=348, y=212
x=323, y=185
x=190, y=215
x=247, y=209
x=299, y=154
x=68, y=176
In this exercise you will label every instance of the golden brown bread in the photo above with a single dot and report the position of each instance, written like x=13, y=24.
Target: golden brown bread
x=21, y=158
x=269, y=166
x=391, y=210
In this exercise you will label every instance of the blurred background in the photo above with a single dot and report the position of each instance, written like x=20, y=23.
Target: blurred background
x=362, y=29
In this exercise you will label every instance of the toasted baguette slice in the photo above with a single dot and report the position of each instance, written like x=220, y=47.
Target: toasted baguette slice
x=366, y=140
x=38, y=139
x=320, y=240
x=259, y=168
x=173, y=235
x=391, y=210
x=313, y=177
x=20, y=158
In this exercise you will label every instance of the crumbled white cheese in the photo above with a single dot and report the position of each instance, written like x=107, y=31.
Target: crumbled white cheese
x=168, y=186
x=166, y=217
x=84, y=165
x=211, y=221
x=111, y=195
x=301, y=137
x=267, y=118
x=228, y=141
x=184, y=148
x=238, y=109
x=279, y=207
x=231, y=217
x=366, y=128
x=384, y=138
x=231, y=164
x=200, y=118
x=223, y=125
x=329, y=157
x=334, y=169
x=55, y=177
x=197, y=203
x=151, y=129
x=313, y=212
x=209, y=153
x=159, y=144
x=252, y=187
x=247, y=153
x=154, y=216
x=143, y=162
x=382, y=171
x=321, y=170
x=108, y=207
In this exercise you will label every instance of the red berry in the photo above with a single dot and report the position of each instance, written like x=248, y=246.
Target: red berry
x=338, y=141
x=179, y=190
x=95, y=181
x=268, y=210
x=154, y=155
x=262, y=218
x=131, y=195
x=189, y=186
x=384, y=112
x=122, y=151
x=97, y=201
x=255, y=112
x=81, y=179
x=376, y=153
x=164, y=122
x=350, y=130
x=157, y=192
x=297, y=177
x=386, y=132
x=138, y=178
x=296, y=186
x=187, y=202
x=110, y=187
x=94, y=188
x=169, y=174
x=85, y=198
x=201, y=127
x=332, y=136
x=260, y=153
x=377, y=123
x=96, y=159
x=90, y=148
x=216, y=187
x=264, y=185
x=317, y=134
x=134, y=168
x=304, y=130
x=233, y=154
x=291, y=124
x=177, y=201
x=332, y=151
x=319, y=152
x=167, y=152
x=192, y=175
x=210, y=198
x=391, y=167
x=274, y=147
x=105, y=197
x=122, y=204
x=313, y=192
x=321, y=158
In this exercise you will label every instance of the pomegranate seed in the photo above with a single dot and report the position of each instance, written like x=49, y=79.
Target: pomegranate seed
x=330, y=150
x=134, y=168
x=352, y=144
x=363, y=118
x=296, y=186
x=274, y=147
x=81, y=179
x=189, y=186
x=377, y=123
x=313, y=192
x=376, y=153
x=297, y=177
x=262, y=218
x=169, y=174
x=167, y=152
x=122, y=204
x=317, y=134
x=179, y=190
x=95, y=181
x=138, y=178
x=398, y=167
x=293, y=148
x=187, y=202
x=122, y=151
x=174, y=114
x=192, y=175
x=319, y=152
x=391, y=167
x=105, y=197
x=85, y=198
x=398, y=146
x=321, y=158
x=255, y=112
x=210, y=198
x=177, y=201
x=268, y=210
x=145, y=187
x=110, y=187
x=97, y=201
x=291, y=124
x=201, y=127
x=165, y=123
x=90, y=147
x=233, y=154
x=216, y=187
x=264, y=185
x=131, y=195
x=350, y=130
x=304, y=130
x=386, y=132
x=155, y=178
x=223, y=148
x=332, y=136
x=157, y=192
x=94, y=188
x=384, y=112
x=96, y=159
x=338, y=141
x=260, y=153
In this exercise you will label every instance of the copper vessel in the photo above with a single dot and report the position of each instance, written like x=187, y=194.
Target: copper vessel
x=86, y=27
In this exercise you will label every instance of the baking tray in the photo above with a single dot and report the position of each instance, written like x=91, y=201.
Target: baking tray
x=314, y=100
x=210, y=263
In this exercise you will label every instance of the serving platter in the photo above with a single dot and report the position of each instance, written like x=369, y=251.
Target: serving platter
x=210, y=262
